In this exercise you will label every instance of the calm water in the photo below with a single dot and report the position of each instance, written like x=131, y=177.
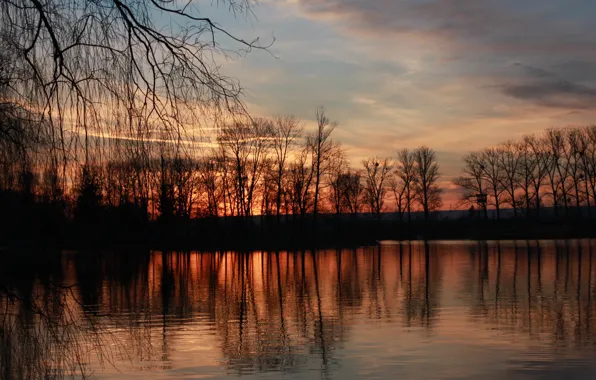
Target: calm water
x=447, y=310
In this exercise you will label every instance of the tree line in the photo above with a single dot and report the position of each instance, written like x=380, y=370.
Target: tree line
x=274, y=167
x=97, y=102
x=555, y=169
x=253, y=166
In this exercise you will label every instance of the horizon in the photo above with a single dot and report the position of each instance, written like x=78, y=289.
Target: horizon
x=251, y=189
x=456, y=77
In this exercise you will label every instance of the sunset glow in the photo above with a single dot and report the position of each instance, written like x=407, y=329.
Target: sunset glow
x=454, y=75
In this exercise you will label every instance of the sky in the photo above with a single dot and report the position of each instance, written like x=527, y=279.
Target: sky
x=455, y=75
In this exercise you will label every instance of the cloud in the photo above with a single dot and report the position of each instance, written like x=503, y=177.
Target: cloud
x=503, y=25
x=545, y=88
x=467, y=44
x=534, y=71
x=576, y=70
x=402, y=73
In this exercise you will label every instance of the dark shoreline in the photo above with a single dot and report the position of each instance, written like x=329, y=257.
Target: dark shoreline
x=269, y=233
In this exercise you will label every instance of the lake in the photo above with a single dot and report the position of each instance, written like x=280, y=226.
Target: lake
x=437, y=310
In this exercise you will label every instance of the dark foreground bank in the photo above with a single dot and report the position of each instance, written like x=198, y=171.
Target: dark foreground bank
x=279, y=233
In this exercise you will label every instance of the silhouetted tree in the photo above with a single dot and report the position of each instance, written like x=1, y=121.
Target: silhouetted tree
x=556, y=167
x=554, y=145
x=494, y=176
x=210, y=170
x=247, y=144
x=299, y=183
x=575, y=159
x=321, y=148
x=473, y=182
x=406, y=174
x=337, y=185
x=88, y=61
x=590, y=162
x=286, y=130
x=352, y=192
x=398, y=190
x=377, y=173
x=509, y=159
x=427, y=190
x=541, y=158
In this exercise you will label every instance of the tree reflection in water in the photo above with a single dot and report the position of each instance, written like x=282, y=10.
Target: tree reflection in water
x=281, y=311
x=46, y=331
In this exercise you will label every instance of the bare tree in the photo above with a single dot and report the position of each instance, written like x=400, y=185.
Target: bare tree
x=286, y=131
x=23, y=144
x=97, y=70
x=563, y=151
x=558, y=165
x=590, y=163
x=268, y=188
x=186, y=186
x=525, y=173
x=299, y=183
x=473, y=182
x=352, y=191
x=398, y=189
x=554, y=143
x=247, y=143
x=509, y=159
x=321, y=149
x=337, y=180
x=494, y=176
x=585, y=166
x=377, y=173
x=426, y=169
x=210, y=170
x=541, y=157
x=406, y=173
x=575, y=159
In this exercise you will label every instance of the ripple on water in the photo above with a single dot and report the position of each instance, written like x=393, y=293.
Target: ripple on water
x=465, y=310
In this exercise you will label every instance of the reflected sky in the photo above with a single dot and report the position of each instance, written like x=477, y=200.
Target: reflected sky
x=424, y=311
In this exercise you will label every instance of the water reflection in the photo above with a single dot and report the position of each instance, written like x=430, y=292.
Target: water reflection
x=421, y=310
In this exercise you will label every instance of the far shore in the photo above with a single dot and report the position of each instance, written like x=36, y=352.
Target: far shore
x=271, y=233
